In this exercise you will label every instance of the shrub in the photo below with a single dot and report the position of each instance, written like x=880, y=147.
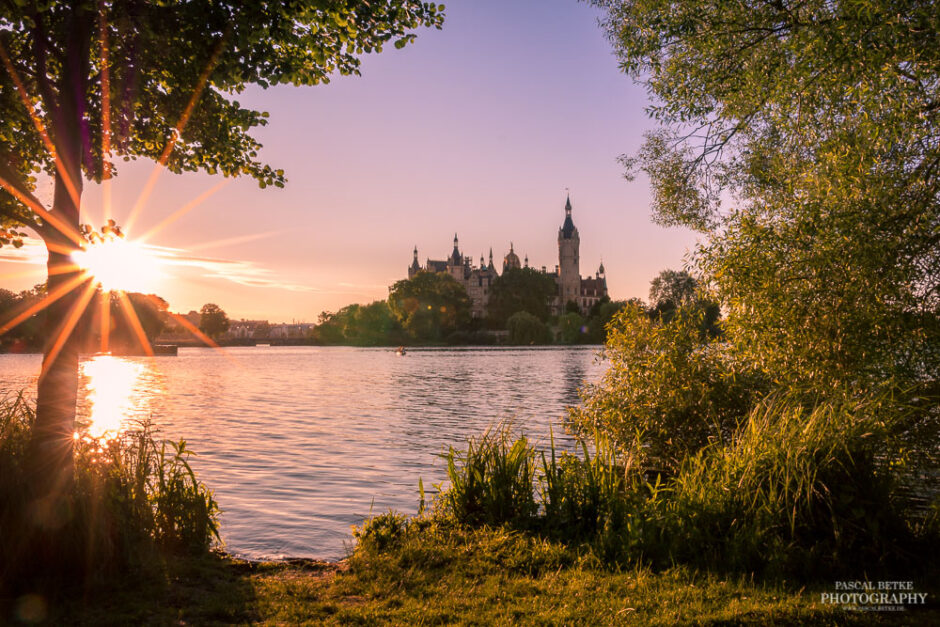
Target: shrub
x=131, y=498
x=801, y=489
x=670, y=390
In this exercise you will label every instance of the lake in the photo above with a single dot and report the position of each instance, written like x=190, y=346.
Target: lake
x=300, y=443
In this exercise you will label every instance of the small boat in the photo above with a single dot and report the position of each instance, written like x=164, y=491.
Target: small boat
x=165, y=349
x=401, y=351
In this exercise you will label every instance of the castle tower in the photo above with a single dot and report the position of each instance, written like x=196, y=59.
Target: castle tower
x=415, y=266
x=569, y=272
x=455, y=265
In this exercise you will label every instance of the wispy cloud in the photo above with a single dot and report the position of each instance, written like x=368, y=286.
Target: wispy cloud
x=240, y=272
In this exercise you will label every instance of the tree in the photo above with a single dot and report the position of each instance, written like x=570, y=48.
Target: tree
x=521, y=289
x=820, y=119
x=525, y=329
x=602, y=312
x=359, y=325
x=669, y=391
x=672, y=289
x=213, y=321
x=430, y=305
x=28, y=334
x=88, y=82
x=571, y=328
x=108, y=314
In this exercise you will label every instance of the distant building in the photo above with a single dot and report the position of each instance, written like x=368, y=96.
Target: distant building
x=477, y=280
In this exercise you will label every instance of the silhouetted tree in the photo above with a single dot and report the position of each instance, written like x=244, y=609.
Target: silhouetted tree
x=521, y=289
x=213, y=321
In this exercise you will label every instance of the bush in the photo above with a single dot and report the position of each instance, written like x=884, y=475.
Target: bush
x=802, y=489
x=132, y=498
x=526, y=329
x=671, y=388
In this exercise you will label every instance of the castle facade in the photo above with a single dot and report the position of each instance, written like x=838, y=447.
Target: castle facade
x=477, y=280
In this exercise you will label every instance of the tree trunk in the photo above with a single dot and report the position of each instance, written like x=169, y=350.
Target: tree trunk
x=51, y=444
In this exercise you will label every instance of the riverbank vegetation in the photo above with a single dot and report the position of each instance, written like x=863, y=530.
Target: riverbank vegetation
x=133, y=499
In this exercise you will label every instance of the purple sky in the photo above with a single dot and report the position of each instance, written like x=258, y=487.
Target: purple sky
x=477, y=128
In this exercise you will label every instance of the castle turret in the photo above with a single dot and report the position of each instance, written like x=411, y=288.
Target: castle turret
x=455, y=256
x=569, y=272
x=415, y=266
x=511, y=260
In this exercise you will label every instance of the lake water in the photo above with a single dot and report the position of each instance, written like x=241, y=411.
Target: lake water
x=301, y=443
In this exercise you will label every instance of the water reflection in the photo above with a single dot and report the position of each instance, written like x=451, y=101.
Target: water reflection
x=300, y=443
x=118, y=391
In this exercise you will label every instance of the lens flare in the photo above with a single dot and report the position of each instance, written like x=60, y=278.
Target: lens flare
x=120, y=265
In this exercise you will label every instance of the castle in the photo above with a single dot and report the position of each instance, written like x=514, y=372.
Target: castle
x=571, y=287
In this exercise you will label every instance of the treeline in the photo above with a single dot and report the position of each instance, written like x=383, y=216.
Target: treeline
x=128, y=319
x=433, y=308
x=107, y=312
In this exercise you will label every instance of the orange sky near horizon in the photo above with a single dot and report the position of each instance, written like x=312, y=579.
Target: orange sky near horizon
x=476, y=129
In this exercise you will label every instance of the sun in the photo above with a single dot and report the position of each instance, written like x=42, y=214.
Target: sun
x=119, y=265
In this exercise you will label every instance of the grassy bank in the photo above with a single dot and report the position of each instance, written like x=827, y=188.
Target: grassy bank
x=443, y=576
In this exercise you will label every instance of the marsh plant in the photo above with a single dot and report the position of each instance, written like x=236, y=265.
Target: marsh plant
x=133, y=498
x=800, y=489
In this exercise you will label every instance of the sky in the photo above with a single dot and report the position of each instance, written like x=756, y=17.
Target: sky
x=479, y=129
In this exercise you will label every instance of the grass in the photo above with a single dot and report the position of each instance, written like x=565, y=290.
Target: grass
x=439, y=574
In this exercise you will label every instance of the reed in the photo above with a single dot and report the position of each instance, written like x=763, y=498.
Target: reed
x=492, y=482
x=804, y=488
x=132, y=499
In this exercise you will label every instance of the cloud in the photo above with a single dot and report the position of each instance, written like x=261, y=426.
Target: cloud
x=240, y=272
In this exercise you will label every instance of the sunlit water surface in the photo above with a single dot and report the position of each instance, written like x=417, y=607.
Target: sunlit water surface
x=301, y=443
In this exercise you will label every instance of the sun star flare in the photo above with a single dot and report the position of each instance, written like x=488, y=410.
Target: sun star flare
x=120, y=265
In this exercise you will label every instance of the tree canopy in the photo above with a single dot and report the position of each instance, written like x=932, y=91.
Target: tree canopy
x=359, y=325
x=818, y=122
x=430, y=305
x=87, y=83
x=213, y=321
x=521, y=289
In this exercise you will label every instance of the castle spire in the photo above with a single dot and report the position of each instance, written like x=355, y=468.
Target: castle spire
x=568, y=229
x=455, y=255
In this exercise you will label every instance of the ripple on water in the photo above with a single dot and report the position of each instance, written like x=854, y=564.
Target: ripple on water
x=300, y=443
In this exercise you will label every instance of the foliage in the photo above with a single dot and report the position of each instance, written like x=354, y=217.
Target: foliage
x=804, y=489
x=491, y=482
x=150, y=310
x=430, y=305
x=602, y=312
x=672, y=289
x=820, y=120
x=87, y=83
x=585, y=497
x=520, y=289
x=670, y=389
x=359, y=325
x=571, y=328
x=525, y=329
x=133, y=498
x=28, y=334
x=213, y=321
